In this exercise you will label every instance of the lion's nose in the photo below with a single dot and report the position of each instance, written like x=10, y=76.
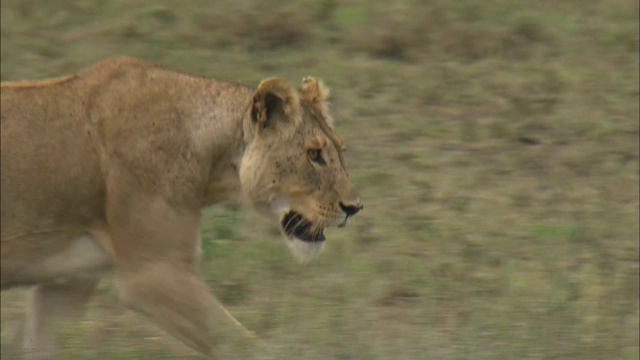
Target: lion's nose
x=351, y=209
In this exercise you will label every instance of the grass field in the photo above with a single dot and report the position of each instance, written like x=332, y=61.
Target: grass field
x=495, y=145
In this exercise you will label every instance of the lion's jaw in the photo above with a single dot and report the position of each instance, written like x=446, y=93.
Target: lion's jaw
x=304, y=238
x=304, y=241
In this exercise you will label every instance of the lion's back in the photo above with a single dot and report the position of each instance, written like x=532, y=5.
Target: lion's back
x=50, y=148
x=61, y=136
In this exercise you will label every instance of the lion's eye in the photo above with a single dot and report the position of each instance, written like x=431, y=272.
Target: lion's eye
x=315, y=155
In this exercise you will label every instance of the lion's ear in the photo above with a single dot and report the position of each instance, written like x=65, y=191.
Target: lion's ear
x=275, y=100
x=316, y=93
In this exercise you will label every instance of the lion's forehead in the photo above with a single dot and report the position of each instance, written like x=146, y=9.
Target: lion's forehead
x=316, y=130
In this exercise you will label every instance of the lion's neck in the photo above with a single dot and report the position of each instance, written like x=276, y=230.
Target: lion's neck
x=220, y=130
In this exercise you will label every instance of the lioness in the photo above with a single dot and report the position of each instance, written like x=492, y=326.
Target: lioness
x=107, y=169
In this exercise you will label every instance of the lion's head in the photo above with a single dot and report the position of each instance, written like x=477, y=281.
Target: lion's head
x=292, y=167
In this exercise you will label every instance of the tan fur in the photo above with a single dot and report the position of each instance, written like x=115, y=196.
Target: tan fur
x=107, y=170
x=315, y=92
x=283, y=91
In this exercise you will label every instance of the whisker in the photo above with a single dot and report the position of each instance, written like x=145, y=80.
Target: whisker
x=300, y=222
x=318, y=226
x=288, y=222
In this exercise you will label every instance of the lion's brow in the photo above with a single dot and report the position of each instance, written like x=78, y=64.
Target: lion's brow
x=319, y=117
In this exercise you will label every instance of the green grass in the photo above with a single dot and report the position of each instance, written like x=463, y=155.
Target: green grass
x=495, y=145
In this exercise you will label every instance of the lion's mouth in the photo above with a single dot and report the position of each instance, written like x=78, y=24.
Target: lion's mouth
x=297, y=226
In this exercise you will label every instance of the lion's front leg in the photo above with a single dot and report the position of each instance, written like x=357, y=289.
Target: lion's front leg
x=153, y=243
x=176, y=300
x=50, y=302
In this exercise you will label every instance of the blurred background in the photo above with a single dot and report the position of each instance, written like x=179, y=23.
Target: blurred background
x=495, y=145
